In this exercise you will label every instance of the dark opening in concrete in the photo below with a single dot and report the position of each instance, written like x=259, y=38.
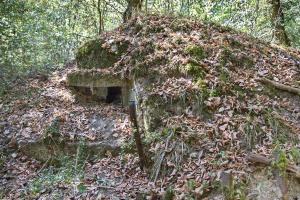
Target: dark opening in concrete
x=114, y=95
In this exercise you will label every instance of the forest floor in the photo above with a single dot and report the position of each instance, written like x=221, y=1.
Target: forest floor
x=26, y=112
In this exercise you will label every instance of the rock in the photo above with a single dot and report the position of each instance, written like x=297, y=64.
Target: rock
x=268, y=188
x=13, y=143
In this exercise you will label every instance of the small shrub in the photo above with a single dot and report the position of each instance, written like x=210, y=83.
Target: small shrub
x=279, y=129
x=169, y=194
x=224, y=75
x=128, y=147
x=53, y=129
x=191, y=184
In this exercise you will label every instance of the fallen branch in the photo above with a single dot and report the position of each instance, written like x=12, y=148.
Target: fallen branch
x=256, y=158
x=280, y=86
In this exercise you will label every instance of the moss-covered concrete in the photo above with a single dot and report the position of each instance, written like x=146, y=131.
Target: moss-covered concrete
x=95, y=79
x=51, y=152
x=93, y=54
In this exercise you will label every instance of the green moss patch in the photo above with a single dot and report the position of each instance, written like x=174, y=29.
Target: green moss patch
x=196, y=52
x=92, y=54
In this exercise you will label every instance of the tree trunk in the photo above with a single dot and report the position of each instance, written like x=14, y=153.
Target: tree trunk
x=278, y=23
x=133, y=8
x=101, y=17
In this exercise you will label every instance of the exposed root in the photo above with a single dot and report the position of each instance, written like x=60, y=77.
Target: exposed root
x=280, y=86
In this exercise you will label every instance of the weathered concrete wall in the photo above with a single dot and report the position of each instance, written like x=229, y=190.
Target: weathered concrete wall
x=99, y=84
x=153, y=108
x=93, y=79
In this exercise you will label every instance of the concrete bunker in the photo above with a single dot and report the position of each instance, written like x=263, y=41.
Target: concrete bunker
x=99, y=88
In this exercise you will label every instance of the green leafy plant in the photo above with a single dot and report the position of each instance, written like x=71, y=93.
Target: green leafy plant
x=53, y=129
x=295, y=154
x=281, y=161
x=235, y=190
x=191, y=185
x=195, y=71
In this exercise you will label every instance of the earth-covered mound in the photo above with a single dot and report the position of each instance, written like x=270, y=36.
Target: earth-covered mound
x=215, y=107
x=210, y=99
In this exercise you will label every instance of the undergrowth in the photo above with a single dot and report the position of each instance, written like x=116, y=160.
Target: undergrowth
x=196, y=52
x=254, y=134
x=232, y=190
x=70, y=172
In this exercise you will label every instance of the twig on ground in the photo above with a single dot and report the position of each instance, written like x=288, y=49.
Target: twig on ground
x=44, y=165
x=162, y=156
